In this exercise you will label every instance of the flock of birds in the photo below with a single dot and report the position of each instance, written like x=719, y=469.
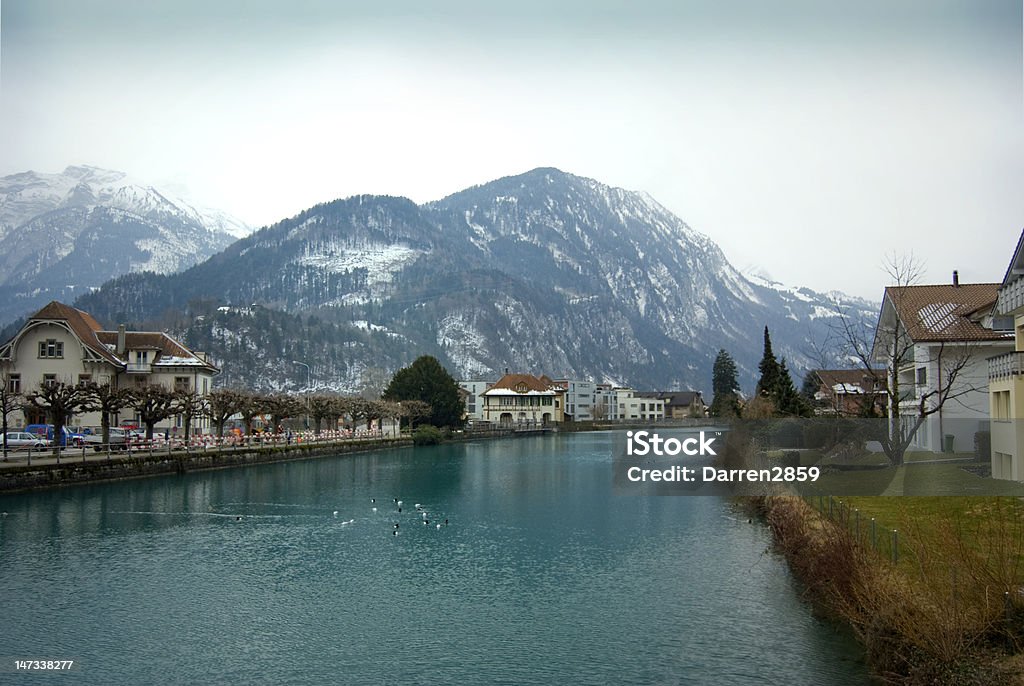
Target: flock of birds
x=424, y=516
x=396, y=526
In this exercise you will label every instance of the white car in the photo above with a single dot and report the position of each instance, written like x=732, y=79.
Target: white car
x=24, y=440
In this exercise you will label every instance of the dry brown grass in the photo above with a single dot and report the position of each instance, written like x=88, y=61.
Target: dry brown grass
x=948, y=622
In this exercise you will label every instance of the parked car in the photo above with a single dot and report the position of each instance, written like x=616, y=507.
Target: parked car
x=119, y=439
x=68, y=437
x=23, y=440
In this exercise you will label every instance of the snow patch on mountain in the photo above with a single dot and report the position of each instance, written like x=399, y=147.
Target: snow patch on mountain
x=380, y=260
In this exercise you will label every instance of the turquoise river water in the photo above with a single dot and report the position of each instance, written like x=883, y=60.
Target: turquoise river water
x=285, y=574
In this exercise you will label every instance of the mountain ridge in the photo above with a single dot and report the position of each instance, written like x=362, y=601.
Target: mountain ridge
x=543, y=271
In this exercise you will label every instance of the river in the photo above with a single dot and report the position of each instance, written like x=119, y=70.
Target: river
x=286, y=574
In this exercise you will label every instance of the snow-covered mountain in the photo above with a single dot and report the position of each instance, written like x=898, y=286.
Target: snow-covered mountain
x=66, y=233
x=544, y=272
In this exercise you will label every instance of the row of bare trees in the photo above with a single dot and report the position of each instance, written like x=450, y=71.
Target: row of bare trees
x=60, y=401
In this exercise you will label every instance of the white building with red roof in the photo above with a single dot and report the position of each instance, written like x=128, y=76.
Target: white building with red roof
x=935, y=342
x=524, y=400
x=62, y=344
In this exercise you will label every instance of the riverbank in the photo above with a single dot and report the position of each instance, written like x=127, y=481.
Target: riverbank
x=920, y=623
x=47, y=472
x=84, y=466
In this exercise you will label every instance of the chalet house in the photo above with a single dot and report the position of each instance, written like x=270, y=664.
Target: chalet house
x=850, y=392
x=1006, y=375
x=524, y=400
x=935, y=342
x=62, y=344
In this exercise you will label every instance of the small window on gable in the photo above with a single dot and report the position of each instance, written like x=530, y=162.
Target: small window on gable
x=521, y=387
x=51, y=348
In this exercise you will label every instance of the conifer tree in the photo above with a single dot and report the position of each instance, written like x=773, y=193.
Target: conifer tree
x=769, y=368
x=787, y=401
x=725, y=387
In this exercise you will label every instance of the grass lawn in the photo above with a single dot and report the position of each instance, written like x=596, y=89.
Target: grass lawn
x=942, y=538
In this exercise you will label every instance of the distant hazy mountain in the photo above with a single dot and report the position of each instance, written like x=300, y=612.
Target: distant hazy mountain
x=69, y=232
x=541, y=272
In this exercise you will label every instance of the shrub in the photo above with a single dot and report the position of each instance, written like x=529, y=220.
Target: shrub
x=427, y=435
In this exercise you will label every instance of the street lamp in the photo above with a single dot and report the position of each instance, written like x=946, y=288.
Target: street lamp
x=308, y=384
x=307, y=373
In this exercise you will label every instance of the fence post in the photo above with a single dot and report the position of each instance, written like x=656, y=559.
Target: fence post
x=857, y=517
x=895, y=547
x=874, y=538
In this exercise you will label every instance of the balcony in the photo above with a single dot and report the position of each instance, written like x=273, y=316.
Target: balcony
x=139, y=368
x=1011, y=297
x=1006, y=366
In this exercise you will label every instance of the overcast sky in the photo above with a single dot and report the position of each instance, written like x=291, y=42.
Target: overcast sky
x=807, y=137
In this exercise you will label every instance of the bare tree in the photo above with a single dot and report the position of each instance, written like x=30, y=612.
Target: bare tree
x=10, y=401
x=154, y=403
x=221, y=403
x=600, y=410
x=60, y=401
x=250, y=406
x=390, y=409
x=190, y=406
x=108, y=401
x=281, y=406
x=321, y=407
x=892, y=340
x=415, y=409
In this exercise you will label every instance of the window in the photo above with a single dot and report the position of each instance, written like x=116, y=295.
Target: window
x=14, y=383
x=1002, y=323
x=84, y=379
x=51, y=348
x=922, y=376
x=49, y=380
x=181, y=383
x=141, y=356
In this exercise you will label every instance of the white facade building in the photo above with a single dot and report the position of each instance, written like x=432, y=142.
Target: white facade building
x=62, y=344
x=935, y=342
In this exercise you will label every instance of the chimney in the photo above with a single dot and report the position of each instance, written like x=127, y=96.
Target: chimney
x=120, y=339
x=956, y=278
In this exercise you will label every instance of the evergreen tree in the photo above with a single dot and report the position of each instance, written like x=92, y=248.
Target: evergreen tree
x=811, y=385
x=787, y=401
x=725, y=387
x=426, y=380
x=769, y=368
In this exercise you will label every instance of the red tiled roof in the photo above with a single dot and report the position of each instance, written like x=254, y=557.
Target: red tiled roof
x=82, y=323
x=866, y=380
x=941, y=312
x=533, y=383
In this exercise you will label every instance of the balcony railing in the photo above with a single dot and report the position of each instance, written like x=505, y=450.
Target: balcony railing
x=1011, y=297
x=1005, y=366
x=139, y=368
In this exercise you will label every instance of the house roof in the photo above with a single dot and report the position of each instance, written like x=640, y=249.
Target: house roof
x=534, y=385
x=84, y=326
x=942, y=312
x=852, y=380
x=169, y=352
